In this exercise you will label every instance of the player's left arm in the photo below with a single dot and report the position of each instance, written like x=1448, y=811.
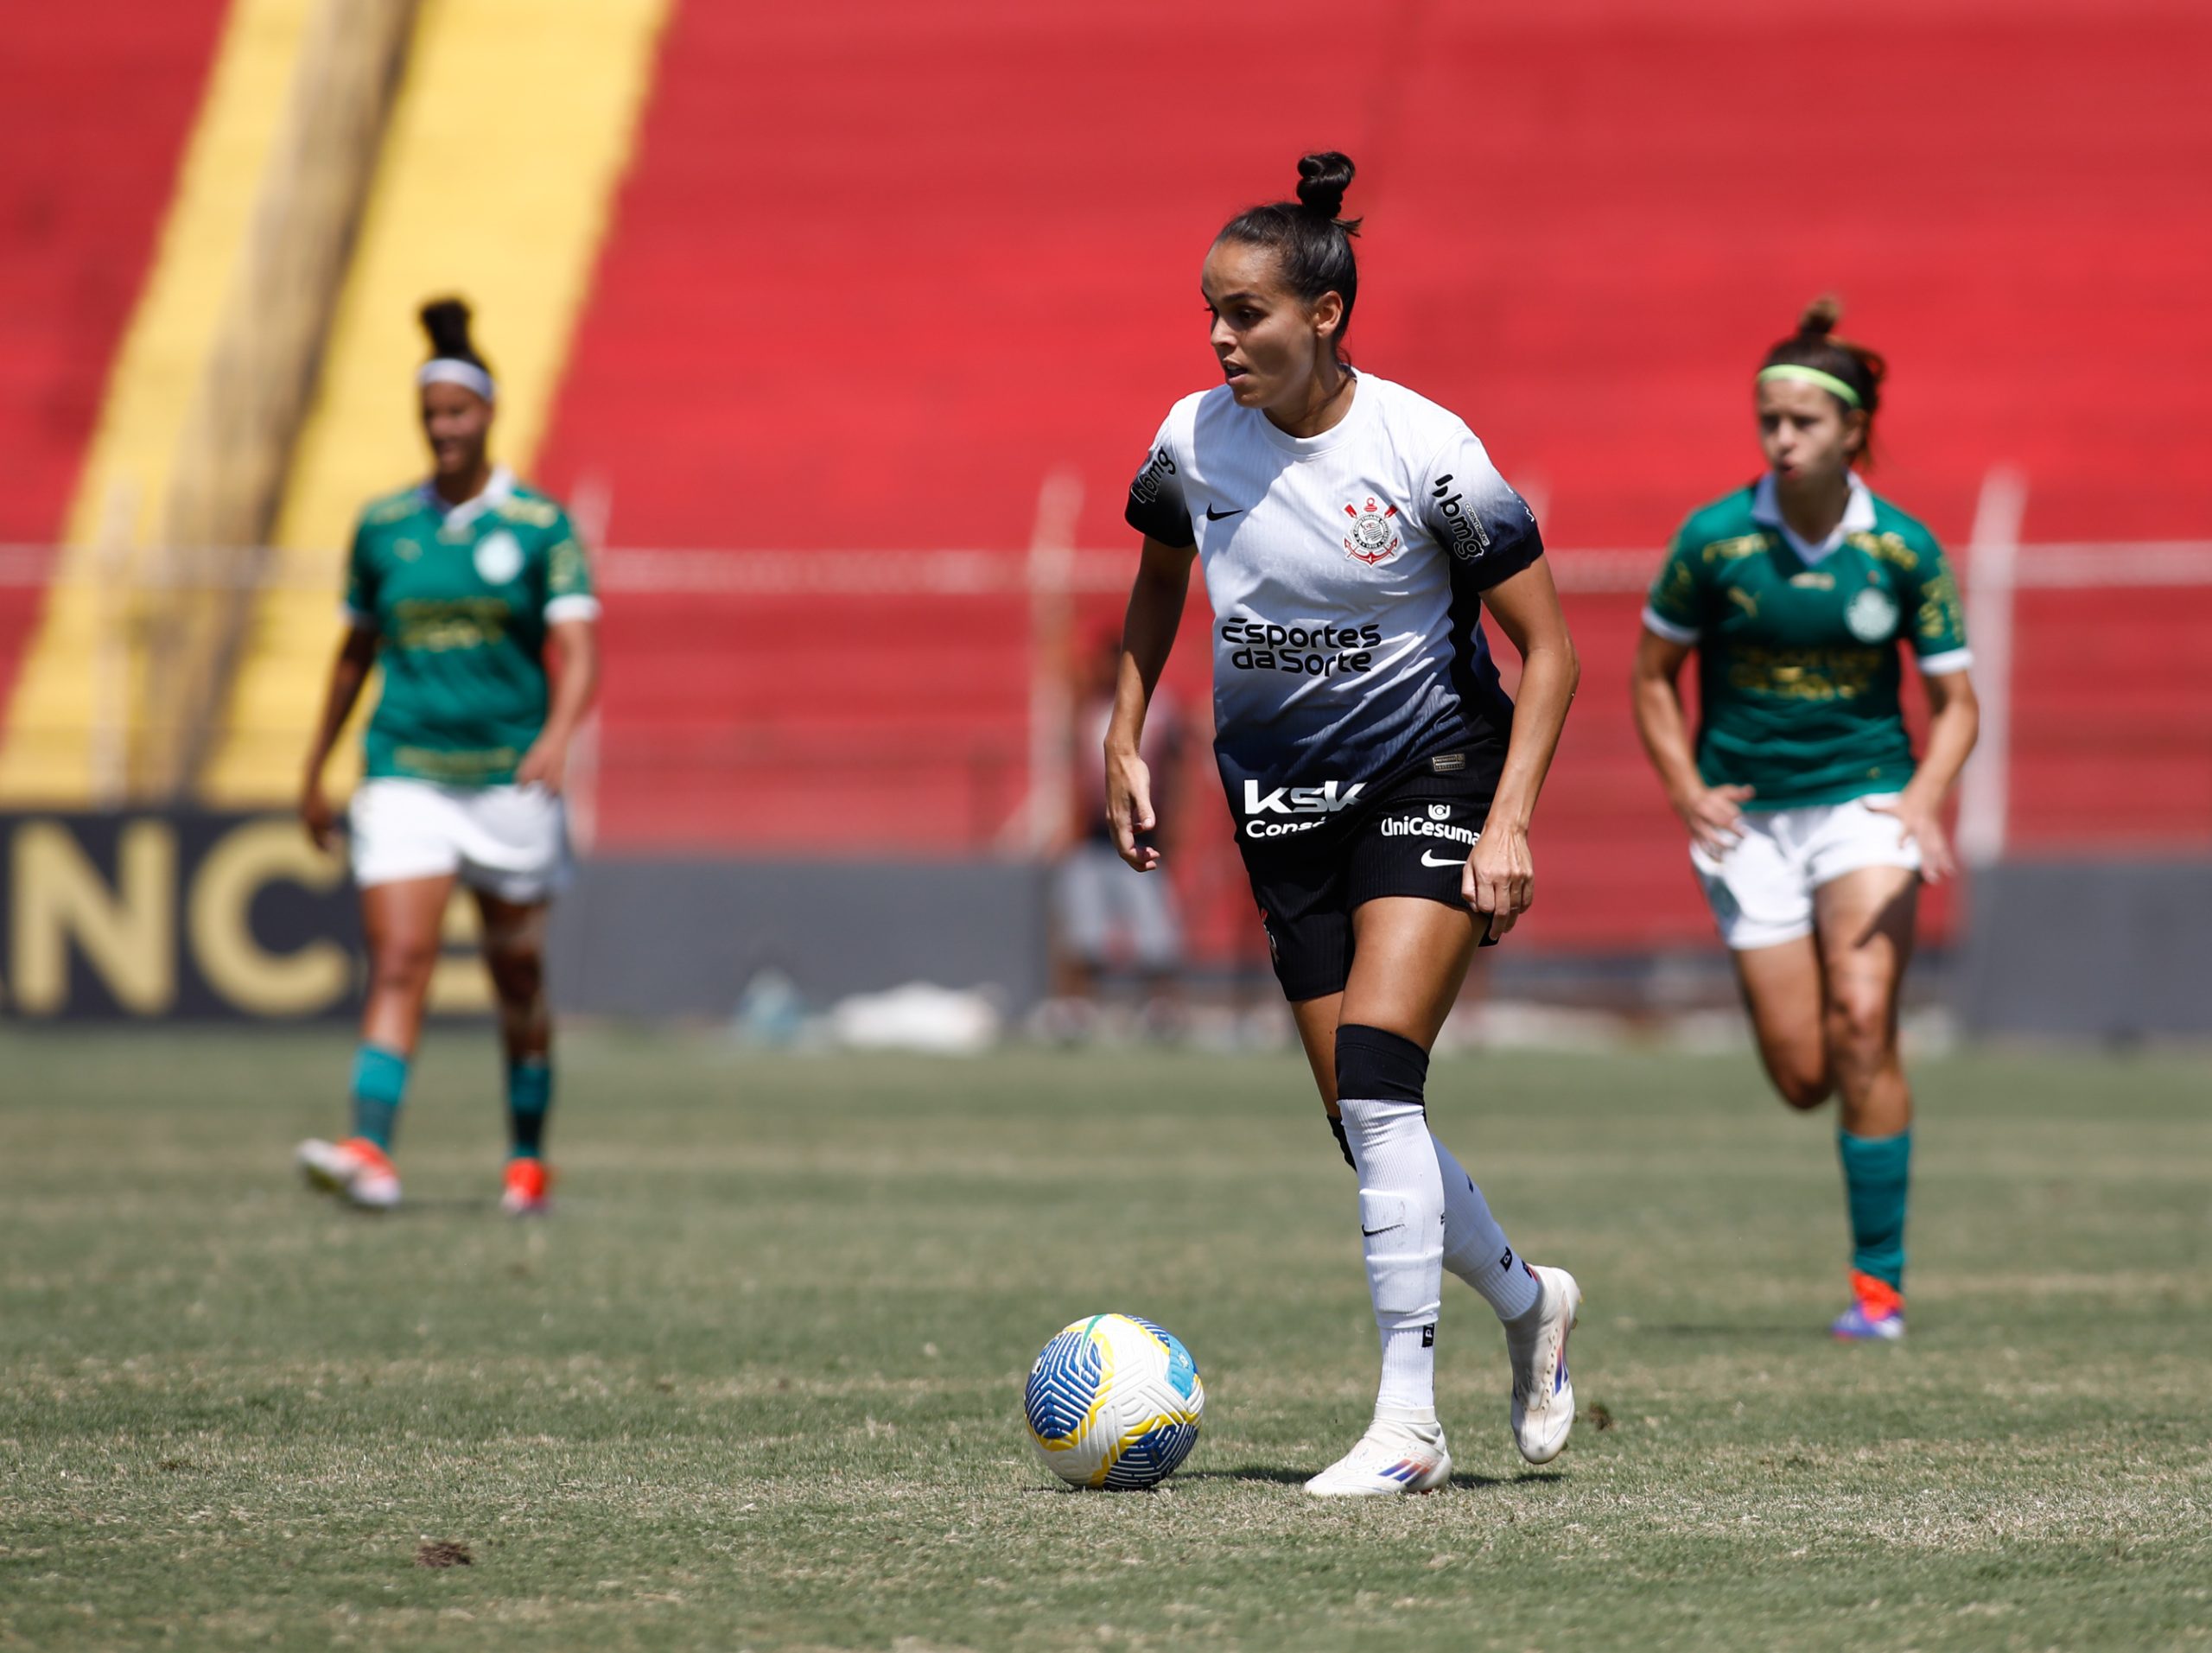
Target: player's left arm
x=1954, y=722
x=1500, y=879
x=1490, y=537
x=572, y=641
x=1939, y=642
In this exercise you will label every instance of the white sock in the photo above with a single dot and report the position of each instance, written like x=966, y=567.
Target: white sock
x=1402, y=1229
x=1475, y=1247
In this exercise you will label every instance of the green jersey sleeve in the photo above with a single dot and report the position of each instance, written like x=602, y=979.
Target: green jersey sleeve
x=359, y=608
x=569, y=593
x=1675, y=607
x=1938, y=624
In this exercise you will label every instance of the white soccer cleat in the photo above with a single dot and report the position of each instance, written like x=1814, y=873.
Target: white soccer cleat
x=1543, y=1394
x=356, y=1171
x=1390, y=1459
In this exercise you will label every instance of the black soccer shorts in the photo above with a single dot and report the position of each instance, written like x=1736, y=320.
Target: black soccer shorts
x=1413, y=840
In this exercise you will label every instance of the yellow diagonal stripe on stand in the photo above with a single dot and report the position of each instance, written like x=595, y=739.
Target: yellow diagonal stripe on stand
x=501, y=160
x=46, y=752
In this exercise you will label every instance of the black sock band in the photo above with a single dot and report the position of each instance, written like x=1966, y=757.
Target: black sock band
x=1373, y=1063
x=1344, y=1142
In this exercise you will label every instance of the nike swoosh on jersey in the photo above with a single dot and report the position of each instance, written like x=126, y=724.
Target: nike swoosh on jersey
x=1427, y=859
x=1216, y=516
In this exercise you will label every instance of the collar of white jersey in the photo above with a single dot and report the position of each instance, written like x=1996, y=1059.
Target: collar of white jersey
x=1858, y=517
x=1355, y=418
x=498, y=490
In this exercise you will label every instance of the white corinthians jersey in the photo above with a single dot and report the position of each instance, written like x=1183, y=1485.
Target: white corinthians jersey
x=1345, y=571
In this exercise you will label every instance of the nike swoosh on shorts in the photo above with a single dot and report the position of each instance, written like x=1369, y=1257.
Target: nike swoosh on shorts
x=1427, y=860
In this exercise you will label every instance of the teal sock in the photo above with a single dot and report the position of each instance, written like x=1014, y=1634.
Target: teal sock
x=379, y=1086
x=1877, y=1171
x=529, y=1098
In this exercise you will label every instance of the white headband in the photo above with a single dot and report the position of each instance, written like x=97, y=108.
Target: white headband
x=447, y=370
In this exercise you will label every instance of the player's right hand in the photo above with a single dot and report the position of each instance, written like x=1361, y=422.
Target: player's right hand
x=1129, y=808
x=315, y=814
x=1714, y=816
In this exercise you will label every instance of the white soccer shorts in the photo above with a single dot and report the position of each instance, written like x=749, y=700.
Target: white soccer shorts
x=1761, y=891
x=510, y=842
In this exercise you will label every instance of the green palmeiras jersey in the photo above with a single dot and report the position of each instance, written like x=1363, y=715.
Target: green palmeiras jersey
x=460, y=598
x=1798, y=656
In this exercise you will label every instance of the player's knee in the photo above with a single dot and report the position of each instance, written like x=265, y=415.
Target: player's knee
x=1803, y=1089
x=403, y=963
x=518, y=966
x=1859, y=1029
x=1374, y=1063
x=1800, y=1073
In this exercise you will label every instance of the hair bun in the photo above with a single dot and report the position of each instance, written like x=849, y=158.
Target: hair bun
x=1322, y=181
x=1819, y=317
x=446, y=320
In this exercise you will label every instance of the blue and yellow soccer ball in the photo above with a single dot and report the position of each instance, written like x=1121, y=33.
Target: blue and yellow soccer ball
x=1114, y=1401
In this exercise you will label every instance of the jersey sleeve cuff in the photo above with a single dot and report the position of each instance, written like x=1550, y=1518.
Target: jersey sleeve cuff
x=1937, y=665
x=1657, y=623
x=576, y=607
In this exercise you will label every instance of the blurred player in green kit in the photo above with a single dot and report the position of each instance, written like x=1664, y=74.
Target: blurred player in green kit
x=1811, y=824
x=462, y=588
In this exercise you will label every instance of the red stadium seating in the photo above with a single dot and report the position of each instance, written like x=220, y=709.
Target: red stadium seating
x=878, y=270
x=97, y=99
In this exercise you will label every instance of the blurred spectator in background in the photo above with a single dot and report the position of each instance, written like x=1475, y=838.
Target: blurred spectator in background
x=1107, y=918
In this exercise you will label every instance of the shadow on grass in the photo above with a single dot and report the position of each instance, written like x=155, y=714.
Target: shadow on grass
x=448, y=1205
x=1269, y=1473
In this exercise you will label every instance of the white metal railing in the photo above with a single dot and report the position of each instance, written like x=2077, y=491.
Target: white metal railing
x=1994, y=567
x=2071, y=565
x=2056, y=566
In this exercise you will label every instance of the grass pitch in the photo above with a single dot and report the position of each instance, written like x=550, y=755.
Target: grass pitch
x=756, y=1384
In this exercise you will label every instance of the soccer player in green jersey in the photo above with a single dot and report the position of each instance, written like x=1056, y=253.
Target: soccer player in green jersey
x=1811, y=824
x=464, y=588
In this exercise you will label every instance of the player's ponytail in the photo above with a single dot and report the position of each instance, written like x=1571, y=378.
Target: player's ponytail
x=453, y=357
x=1309, y=237
x=1849, y=372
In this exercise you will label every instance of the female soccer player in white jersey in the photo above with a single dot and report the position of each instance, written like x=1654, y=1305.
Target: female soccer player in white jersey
x=1810, y=824
x=459, y=587
x=1381, y=779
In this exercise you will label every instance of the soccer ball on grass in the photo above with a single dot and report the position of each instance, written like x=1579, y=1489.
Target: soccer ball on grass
x=1114, y=1401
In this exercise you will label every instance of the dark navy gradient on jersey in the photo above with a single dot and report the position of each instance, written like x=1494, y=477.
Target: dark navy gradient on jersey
x=1156, y=508
x=1345, y=572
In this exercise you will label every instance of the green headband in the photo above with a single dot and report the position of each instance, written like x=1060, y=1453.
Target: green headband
x=1827, y=382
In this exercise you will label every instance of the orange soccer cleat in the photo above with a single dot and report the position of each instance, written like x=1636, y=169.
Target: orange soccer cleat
x=529, y=1189
x=1877, y=1310
x=356, y=1170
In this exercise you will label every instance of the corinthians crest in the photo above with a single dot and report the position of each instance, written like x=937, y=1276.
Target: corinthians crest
x=1373, y=537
